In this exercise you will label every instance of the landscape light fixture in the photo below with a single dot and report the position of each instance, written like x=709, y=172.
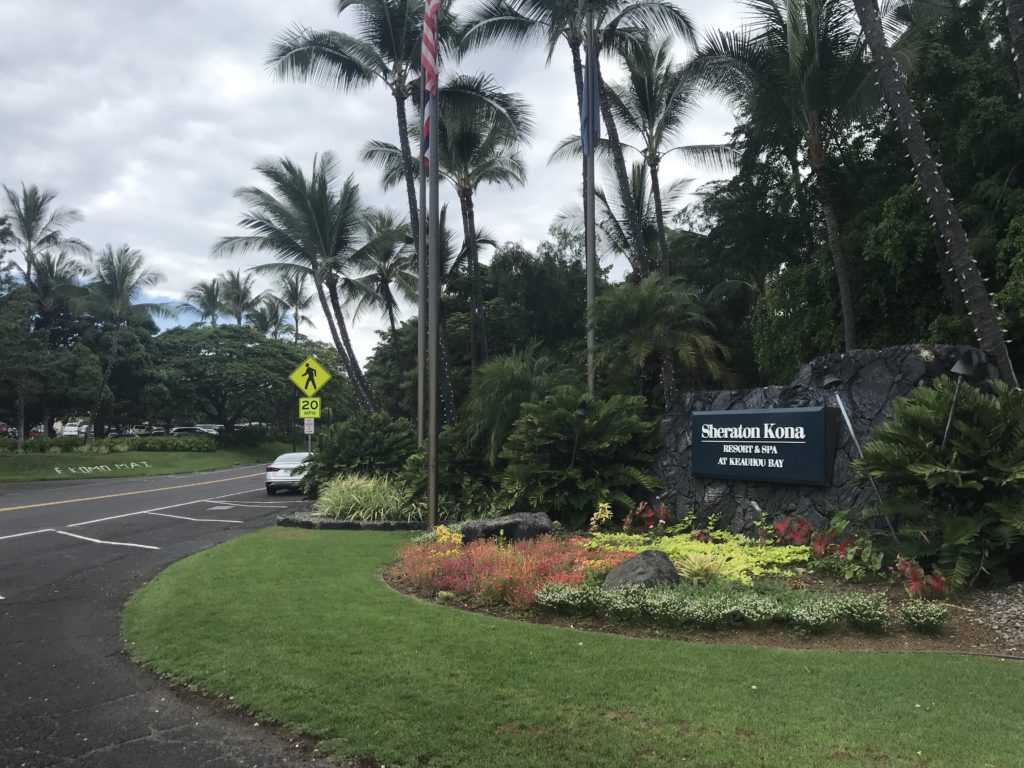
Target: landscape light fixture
x=965, y=366
x=831, y=381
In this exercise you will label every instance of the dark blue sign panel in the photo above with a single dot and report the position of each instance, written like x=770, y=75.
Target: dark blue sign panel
x=795, y=446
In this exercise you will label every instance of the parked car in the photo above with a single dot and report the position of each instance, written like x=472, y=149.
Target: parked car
x=71, y=429
x=286, y=472
x=196, y=430
x=157, y=431
x=215, y=428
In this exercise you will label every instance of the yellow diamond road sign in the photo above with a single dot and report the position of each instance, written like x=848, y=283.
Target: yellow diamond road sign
x=310, y=376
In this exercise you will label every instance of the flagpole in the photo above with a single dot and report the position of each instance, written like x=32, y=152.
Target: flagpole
x=431, y=72
x=421, y=291
x=590, y=223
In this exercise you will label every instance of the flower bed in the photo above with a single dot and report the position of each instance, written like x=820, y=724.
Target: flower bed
x=493, y=573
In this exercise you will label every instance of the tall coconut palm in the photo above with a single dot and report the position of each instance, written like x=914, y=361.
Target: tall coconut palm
x=660, y=320
x=37, y=226
x=480, y=141
x=270, y=318
x=619, y=24
x=206, y=299
x=293, y=292
x=386, y=275
x=614, y=236
x=313, y=226
x=238, y=294
x=386, y=49
x=988, y=328
x=799, y=75
x=118, y=279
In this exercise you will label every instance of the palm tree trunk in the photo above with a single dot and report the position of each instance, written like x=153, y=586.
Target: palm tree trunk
x=449, y=411
x=108, y=372
x=407, y=164
x=972, y=285
x=355, y=372
x=346, y=363
x=826, y=195
x=622, y=176
x=668, y=379
x=577, y=71
x=477, y=322
x=666, y=268
x=1015, y=19
x=21, y=420
x=295, y=316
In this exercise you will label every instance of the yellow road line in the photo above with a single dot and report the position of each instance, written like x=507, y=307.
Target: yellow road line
x=128, y=493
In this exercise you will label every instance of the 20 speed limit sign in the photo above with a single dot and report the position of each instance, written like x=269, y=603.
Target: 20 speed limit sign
x=309, y=407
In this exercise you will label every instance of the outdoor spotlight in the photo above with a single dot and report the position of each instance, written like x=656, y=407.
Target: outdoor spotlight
x=581, y=412
x=964, y=367
x=830, y=380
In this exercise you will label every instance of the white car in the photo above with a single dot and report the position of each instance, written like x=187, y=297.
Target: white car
x=286, y=472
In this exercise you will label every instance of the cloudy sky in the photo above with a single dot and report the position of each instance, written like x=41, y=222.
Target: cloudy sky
x=147, y=116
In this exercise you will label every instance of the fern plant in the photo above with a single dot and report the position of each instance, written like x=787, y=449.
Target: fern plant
x=960, y=507
x=570, y=452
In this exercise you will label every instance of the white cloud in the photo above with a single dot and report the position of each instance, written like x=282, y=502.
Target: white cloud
x=148, y=115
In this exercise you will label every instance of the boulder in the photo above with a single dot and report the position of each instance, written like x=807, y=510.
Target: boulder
x=645, y=569
x=522, y=525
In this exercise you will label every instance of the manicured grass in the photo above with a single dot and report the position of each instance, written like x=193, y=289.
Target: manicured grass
x=298, y=627
x=44, y=466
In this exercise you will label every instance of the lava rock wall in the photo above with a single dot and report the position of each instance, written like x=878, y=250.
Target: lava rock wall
x=870, y=380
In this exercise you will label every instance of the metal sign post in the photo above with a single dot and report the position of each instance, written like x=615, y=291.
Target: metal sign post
x=308, y=427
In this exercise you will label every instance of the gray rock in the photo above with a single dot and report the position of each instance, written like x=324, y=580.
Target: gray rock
x=522, y=525
x=645, y=569
x=870, y=380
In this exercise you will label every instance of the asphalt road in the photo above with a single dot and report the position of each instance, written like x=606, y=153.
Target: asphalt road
x=71, y=552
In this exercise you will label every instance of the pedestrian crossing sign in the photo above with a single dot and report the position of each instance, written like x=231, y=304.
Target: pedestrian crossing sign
x=310, y=376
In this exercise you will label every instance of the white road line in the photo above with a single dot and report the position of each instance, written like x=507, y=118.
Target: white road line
x=26, y=533
x=257, y=504
x=100, y=541
x=194, y=519
x=149, y=511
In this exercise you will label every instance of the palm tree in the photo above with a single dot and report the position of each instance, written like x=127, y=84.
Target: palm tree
x=479, y=142
x=619, y=24
x=206, y=299
x=270, y=317
x=988, y=328
x=118, y=279
x=313, y=227
x=293, y=292
x=655, y=103
x=386, y=49
x=799, y=75
x=614, y=236
x=660, y=320
x=37, y=226
x=389, y=272
x=238, y=293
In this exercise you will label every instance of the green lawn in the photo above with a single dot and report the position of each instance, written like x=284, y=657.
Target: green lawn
x=45, y=466
x=298, y=626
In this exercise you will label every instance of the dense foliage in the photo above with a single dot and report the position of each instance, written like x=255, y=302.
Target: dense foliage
x=367, y=443
x=959, y=506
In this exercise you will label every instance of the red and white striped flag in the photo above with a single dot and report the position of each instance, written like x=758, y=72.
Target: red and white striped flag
x=428, y=60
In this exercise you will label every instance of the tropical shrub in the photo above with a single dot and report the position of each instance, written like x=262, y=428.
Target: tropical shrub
x=571, y=452
x=716, y=605
x=166, y=443
x=368, y=498
x=924, y=615
x=738, y=558
x=490, y=573
x=367, y=443
x=960, y=507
